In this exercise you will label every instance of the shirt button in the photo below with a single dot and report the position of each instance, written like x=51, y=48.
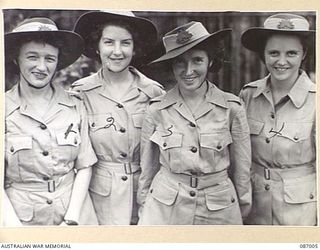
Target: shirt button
x=45, y=178
x=192, y=124
x=296, y=138
x=151, y=190
x=233, y=200
x=49, y=202
x=12, y=149
x=219, y=147
x=75, y=141
x=311, y=196
x=192, y=193
x=267, y=140
x=122, y=130
x=43, y=126
x=164, y=144
x=123, y=154
x=124, y=178
x=93, y=124
x=194, y=149
x=45, y=152
x=267, y=187
x=119, y=105
x=272, y=115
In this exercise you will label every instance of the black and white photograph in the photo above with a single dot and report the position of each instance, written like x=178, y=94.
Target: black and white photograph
x=159, y=118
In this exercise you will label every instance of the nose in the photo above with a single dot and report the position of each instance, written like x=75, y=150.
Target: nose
x=282, y=59
x=117, y=50
x=188, y=69
x=41, y=64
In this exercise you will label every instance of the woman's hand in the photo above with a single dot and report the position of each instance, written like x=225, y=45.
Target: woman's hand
x=10, y=218
x=79, y=192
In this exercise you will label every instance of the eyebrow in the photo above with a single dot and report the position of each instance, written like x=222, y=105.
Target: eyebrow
x=35, y=52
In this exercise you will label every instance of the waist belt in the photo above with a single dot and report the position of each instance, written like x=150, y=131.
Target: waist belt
x=50, y=185
x=287, y=173
x=122, y=168
x=195, y=181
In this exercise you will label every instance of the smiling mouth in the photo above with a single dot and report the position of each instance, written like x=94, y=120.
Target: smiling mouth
x=281, y=69
x=39, y=75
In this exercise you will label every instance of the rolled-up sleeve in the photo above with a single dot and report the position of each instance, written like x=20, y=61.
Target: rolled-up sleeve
x=86, y=157
x=149, y=158
x=240, y=158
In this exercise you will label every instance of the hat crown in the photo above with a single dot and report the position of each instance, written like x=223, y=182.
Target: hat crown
x=184, y=35
x=36, y=24
x=119, y=12
x=285, y=22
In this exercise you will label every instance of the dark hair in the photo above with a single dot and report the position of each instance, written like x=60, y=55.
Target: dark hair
x=215, y=53
x=303, y=39
x=95, y=36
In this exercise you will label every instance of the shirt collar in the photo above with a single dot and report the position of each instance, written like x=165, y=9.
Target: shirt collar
x=14, y=100
x=299, y=92
x=213, y=95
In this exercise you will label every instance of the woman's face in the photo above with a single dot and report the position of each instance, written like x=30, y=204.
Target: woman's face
x=37, y=63
x=283, y=56
x=190, y=69
x=115, y=48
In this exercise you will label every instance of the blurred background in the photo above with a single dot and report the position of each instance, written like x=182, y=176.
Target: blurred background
x=240, y=65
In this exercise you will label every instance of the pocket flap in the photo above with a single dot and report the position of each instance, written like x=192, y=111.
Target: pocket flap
x=101, y=182
x=166, y=142
x=72, y=138
x=16, y=143
x=219, y=199
x=217, y=141
x=300, y=190
x=165, y=194
x=137, y=119
x=255, y=126
x=297, y=131
x=23, y=211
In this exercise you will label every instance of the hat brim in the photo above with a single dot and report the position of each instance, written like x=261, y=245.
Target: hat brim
x=205, y=40
x=88, y=22
x=253, y=38
x=70, y=48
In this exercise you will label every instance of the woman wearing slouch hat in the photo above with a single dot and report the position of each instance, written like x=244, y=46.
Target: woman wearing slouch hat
x=281, y=112
x=195, y=144
x=48, y=154
x=116, y=98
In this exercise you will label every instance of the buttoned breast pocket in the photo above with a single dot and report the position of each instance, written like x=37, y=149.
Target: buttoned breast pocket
x=294, y=143
x=170, y=146
x=137, y=120
x=68, y=142
x=19, y=156
x=214, y=148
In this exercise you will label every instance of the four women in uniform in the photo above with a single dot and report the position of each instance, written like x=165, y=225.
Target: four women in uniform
x=178, y=158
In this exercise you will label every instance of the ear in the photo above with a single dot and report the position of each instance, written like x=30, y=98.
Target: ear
x=210, y=63
x=304, y=54
x=97, y=51
x=15, y=62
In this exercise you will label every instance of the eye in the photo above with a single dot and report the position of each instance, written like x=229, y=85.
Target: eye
x=51, y=59
x=178, y=62
x=126, y=43
x=292, y=53
x=108, y=42
x=273, y=53
x=32, y=58
x=198, y=60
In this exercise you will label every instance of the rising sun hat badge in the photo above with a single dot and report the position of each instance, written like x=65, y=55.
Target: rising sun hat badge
x=285, y=24
x=44, y=28
x=183, y=36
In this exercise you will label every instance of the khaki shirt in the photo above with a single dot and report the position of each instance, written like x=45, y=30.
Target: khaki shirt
x=214, y=139
x=115, y=125
x=282, y=135
x=38, y=149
